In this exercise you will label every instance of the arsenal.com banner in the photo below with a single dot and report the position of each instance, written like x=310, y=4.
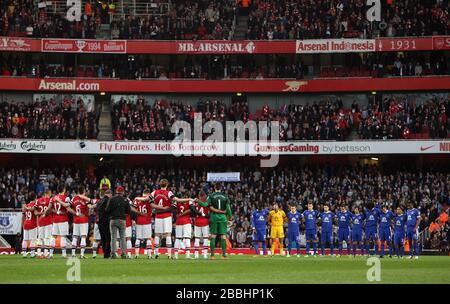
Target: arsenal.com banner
x=313, y=46
x=81, y=85
x=250, y=148
x=84, y=46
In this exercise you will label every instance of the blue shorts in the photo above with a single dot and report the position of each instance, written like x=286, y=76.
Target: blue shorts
x=311, y=235
x=293, y=236
x=385, y=235
x=327, y=236
x=343, y=234
x=399, y=239
x=260, y=235
x=356, y=236
x=371, y=234
x=412, y=234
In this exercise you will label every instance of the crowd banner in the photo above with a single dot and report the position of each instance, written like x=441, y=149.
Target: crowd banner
x=10, y=222
x=223, y=177
x=356, y=84
x=249, y=148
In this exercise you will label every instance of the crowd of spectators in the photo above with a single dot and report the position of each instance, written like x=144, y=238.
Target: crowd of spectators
x=336, y=184
x=394, y=117
x=141, y=120
x=176, y=21
x=213, y=67
x=49, y=119
x=306, y=19
x=215, y=19
x=400, y=118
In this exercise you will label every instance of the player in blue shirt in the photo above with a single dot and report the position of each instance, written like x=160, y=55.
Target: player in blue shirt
x=326, y=219
x=343, y=217
x=294, y=219
x=372, y=217
x=310, y=218
x=259, y=223
x=386, y=217
x=399, y=232
x=357, y=231
x=412, y=230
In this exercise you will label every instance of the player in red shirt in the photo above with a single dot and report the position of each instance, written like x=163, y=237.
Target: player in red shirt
x=201, y=225
x=60, y=206
x=183, y=228
x=29, y=226
x=144, y=223
x=45, y=223
x=81, y=205
x=163, y=218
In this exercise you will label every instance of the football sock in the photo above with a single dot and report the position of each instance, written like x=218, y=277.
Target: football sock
x=137, y=245
x=315, y=247
x=24, y=247
x=187, y=243
x=169, y=245
x=307, y=247
x=224, y=247
x=281, y=246
x=213, y=246
x=340, y=248
x=264, y=245
x=257, y=247
x=148, y=245
x=205, y=247
x=83, y=245
x=52, y=245
x=74, y=245
x=94, y=248
x=63, y=246
x=156, y=245
x=129, y=246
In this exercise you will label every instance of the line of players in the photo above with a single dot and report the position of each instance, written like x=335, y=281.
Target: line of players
x=47, y=218
x=357, y=229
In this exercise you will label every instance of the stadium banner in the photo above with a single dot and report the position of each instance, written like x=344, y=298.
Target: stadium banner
x=441, y=43
x=404, y=44
x=312, y=46
x=18, y=44
x=223, y=177
x=249, y=148
x=10, y=222
x=363, y=84
x=317, y=46
x=84, y=46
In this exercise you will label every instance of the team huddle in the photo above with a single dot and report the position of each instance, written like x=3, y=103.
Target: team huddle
x=47, y=218
x=358, y=229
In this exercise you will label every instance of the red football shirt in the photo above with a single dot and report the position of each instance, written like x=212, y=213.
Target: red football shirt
x=162, y=198
x=183, y=219
x=59, y=211
x=80, y=206
x=146, y=208
x=30, y=221
x=42, y=206
x=202, y=219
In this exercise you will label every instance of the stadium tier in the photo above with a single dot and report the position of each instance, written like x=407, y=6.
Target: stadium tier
x=221, y=19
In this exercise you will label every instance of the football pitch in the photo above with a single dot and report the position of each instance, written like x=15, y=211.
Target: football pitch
x=237, y=269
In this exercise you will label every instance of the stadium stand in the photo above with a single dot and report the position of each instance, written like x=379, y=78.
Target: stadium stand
x=48, y=119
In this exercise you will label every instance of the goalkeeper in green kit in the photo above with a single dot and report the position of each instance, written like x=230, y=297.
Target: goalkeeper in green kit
x=220, y=213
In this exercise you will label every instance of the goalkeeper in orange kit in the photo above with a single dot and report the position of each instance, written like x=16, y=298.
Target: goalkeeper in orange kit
x=276, y=219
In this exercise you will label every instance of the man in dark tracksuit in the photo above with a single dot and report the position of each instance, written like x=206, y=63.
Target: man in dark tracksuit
x=103, y=224
x=118, y=207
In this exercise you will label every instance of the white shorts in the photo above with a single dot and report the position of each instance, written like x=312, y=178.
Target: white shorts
x=60, y=229
x=201, y=232
x=127, y=233
x=45, y=232
x=144, y=231
x=80, y=229
x=97, y=236
x=30, y=235
x=183, y=231
x=163, y=225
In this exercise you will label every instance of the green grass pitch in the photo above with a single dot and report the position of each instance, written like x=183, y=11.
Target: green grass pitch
x=237, y=269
